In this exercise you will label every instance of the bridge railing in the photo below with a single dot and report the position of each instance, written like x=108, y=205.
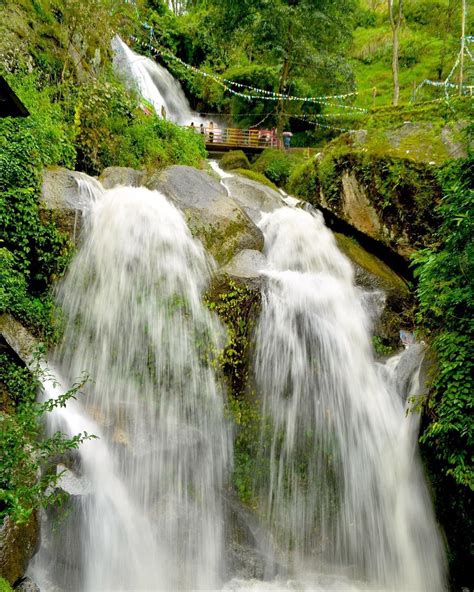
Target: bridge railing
x=230, y=136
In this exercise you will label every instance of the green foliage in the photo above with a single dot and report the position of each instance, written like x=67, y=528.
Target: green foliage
x=5, y=586
x=294, y=47
x=111, y=130
x=380, y=348
x=446, y=307
x=23, y=448
x=32, y=252
x=238, y=307
x=278, y=165
x=446, y=297
x=247, y=421
x=235, y=159
x=429, y=44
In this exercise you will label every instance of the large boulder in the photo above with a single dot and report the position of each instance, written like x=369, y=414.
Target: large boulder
x=18, y=338
x=125, y=176
x=246, y=268
x=391, y=300
x=213, y=217
x=19, y=542
x=253, y=197
x=65, y=195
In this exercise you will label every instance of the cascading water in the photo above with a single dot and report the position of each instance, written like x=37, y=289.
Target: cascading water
x=154, y=83
x=150, y=514
x=345, y=493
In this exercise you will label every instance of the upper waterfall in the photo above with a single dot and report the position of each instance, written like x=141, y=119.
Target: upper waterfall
x=153, y=82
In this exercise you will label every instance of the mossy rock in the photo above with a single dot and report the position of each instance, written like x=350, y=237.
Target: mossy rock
x=373, y=274
x=392, y=200
x=213, y=217
x=19, y=543
x=235, y=159
x=258, y=177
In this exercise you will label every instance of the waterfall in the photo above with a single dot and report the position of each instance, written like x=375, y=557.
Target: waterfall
x=154, y=83
x=344, y=493
x=146, y=510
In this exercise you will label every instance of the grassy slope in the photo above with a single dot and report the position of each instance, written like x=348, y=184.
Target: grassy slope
x=425, y=49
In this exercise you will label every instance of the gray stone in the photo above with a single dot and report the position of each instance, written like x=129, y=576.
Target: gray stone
x=27, y=585
x=18, y=338
x=246, y=267
x=253, y=197
x=64, y=197
x=357, y=208
x=115, y=176
x=19, y=542
x=213, y=217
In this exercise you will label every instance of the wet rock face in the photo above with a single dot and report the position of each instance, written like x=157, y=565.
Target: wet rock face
x=246, y=268
x=253, y=197
x=115, y=176
x=215, y=218
x=357, y=208
x=27, y=585
x=19, y=542
x=64, y=196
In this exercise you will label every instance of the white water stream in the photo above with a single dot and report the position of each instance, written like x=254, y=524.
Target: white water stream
x=155, y=84
x=343, y=495
x=151, y=515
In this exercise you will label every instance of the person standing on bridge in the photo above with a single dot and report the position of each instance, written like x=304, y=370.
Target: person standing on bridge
x=287, y=139
x=211, y=131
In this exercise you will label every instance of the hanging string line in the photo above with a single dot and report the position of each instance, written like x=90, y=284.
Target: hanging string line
x=265, y=95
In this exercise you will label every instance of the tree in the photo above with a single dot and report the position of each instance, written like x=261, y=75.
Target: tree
x=395, y=15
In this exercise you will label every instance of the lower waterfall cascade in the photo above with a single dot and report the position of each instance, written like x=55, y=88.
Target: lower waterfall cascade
x=344, y=503
x=148, y=515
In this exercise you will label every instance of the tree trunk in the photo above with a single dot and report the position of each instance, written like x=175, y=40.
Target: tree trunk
x=395, y=23
x=281, y=101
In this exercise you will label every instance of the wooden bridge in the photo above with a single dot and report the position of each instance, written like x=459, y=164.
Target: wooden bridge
x=249, y=140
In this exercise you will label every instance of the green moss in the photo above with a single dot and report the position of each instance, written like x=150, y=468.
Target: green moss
x=235, y=159
x=5, y=586
x=220, y=240
x=388, y=278
x=277, y=165
x=238, y=307
x=254, y=176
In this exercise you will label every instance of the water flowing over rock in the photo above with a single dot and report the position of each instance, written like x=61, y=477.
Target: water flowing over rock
x=252, y=196
x=246, y=267
x=153, y=82
x=152, y=515
x=65, y=196
x=114, y=176
x=345, y=491
x=215, y=218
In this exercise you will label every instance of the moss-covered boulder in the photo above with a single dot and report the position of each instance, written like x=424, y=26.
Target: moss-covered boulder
x=126, y=176
x=64, y=196
x=19, y=542
x=396, y=303
x=235, y=159
x=215, y=218
x=253, y=197
x=388, y=198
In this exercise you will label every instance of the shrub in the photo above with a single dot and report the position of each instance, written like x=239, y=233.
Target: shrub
x=235, y=159
x=254, y=176
x=446, y=300
x=23, y=447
